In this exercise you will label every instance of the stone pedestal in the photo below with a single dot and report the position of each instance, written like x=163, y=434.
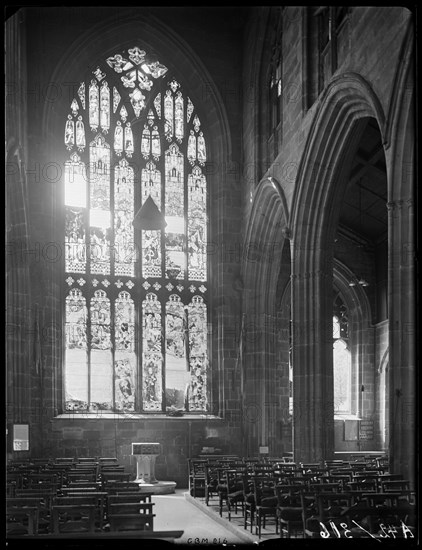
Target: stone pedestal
x=146, y=454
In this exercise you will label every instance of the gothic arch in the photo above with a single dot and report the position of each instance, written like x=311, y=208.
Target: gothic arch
x=335, y=132
x=264, y=239
x=348, y=99
x=262, y=246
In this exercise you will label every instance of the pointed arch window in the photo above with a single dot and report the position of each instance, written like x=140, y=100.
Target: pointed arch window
x=136, y=312
x=342, y=358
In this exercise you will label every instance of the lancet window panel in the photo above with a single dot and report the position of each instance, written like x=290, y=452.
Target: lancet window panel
x=132, y=132
x=342, y=357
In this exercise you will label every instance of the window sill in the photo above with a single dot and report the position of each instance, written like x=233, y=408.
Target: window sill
x=133, y=416
x=345, y=416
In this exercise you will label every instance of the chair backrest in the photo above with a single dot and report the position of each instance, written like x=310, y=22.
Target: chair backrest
x=130, y=507
x=23, y=521
x=331, y=506
x=263, y=486
x=71, y=518
x=234, y=478
x=140, y=496
x=129, y=497
x=395, y=485
x=119, y=486
x=25, y=502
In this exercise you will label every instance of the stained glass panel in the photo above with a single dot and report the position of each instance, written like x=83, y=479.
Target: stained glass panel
x=100, y=222
x=75, y=241
x=150, y=117
x=202, y=153
x=129, y=79
x=128, y=140
x=74, y=107
x=125, y=359
x=137, y=100
x=125, y=380
x=157, y=105
x=174, y=166
x=75, y=182
x=151, y=254
x=174, y=209
x=177, y=372
x=118, y=139
x=123, y=218
x=100, y=174
x=69, y=133
x=116, y=99
x=80, y=135
x=178, y=117
x=189, y=109
x=168, y=115
x=76, y=370
x=196, y=123
x=146, y=142
x=123, y=113
x=105, y=107
x=94, y=106
x=152, y=358
x=100, y=321
x=197, y=225
x=198, y=354
x=101, y=366
x=155, y=144
x=192, y=148
x=100, y=226
x=119, y=63
x=155, y=69
x=151, y=184
x=81, y=94
x=144, y=82
x=101, y=380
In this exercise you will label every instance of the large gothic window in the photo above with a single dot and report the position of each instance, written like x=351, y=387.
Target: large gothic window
x=136, y=300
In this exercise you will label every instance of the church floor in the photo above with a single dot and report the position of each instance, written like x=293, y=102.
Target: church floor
x=202, y=525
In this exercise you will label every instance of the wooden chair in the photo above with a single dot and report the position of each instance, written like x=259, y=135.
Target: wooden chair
x=115, y=487
x=211, y=480
x=265, y=502
x=197, y=477
x=289, y=508
x=46, y=495
x=234, y=483
x=324, y=487
x=395, y=485
x=71, y=518
x=22, y=521
x=84, y=499
x=329, y=514
x=128, y=498
x=108, y=478
x=131, y=516
x=82, y=475
x=248, y=502
x=363, y=485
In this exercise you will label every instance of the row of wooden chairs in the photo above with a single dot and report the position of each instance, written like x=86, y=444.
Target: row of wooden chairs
x=44, y=502
x=257, y=486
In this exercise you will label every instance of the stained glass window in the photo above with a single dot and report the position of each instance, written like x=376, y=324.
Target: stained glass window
x=136, y=300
